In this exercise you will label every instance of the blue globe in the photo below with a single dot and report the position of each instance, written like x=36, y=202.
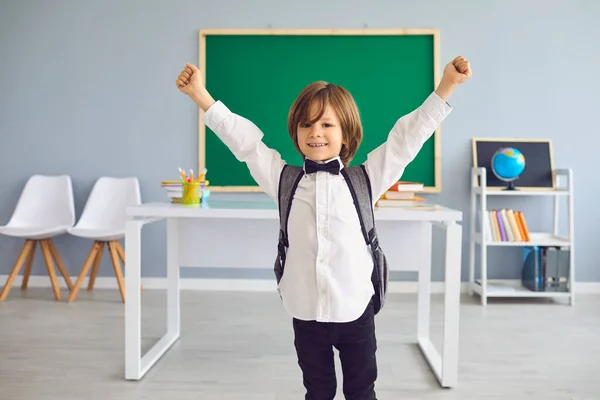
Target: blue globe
x=508, y=164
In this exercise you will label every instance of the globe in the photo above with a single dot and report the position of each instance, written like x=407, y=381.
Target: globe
x=508, y=163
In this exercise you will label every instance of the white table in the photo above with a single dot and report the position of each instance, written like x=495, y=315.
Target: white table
x=182, y=222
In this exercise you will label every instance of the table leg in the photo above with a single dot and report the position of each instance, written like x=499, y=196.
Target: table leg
x=133, y=311
x=444, y=366
x=424, y=290
x=136, y=364
x=173, y=296
x=452, y=305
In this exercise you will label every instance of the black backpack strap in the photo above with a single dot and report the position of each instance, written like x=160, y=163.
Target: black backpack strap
x=360, y=189
x=359, y=184
x=288, y=182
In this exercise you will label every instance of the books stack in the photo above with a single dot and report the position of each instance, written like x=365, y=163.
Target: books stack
x=402, y=194
x=174, y=190
x=505, y=225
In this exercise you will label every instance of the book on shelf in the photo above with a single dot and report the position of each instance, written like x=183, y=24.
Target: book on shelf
x=504, y=225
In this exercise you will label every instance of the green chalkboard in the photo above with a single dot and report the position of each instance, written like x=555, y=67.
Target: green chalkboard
x=258, y=74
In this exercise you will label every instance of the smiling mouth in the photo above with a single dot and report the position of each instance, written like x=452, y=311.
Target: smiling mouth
x=313, y=145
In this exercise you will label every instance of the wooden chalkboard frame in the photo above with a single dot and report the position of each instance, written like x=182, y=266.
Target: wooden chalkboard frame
x=203, y=33
x=489, y=187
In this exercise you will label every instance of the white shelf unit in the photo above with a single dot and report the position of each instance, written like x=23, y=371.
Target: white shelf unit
x=509, y=288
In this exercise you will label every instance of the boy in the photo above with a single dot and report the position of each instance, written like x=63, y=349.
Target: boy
x=327, y=287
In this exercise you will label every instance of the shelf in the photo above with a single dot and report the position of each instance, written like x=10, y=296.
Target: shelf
x=500, y=192
x=480, y=195
x=537, y=239
x=508, y=288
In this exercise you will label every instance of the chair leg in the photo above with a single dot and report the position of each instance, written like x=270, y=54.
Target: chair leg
x=96, y=267
x=27, y=247
x=28, y=266
x=59, y=263
x=50, y=266
x=120, y=251
x=112, y=246
x=84, y=270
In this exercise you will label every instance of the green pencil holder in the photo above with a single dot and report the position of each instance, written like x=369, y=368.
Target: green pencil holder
x=190, y=193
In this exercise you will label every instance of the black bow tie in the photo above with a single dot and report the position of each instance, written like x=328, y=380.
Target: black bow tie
x=332, y=166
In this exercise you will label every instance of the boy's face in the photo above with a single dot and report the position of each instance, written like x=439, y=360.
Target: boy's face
x=323, y=139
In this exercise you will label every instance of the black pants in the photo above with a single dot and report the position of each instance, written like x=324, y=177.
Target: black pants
x=356, y=343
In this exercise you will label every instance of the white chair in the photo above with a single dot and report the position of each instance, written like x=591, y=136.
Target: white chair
x=103, y=220
x=45, y=209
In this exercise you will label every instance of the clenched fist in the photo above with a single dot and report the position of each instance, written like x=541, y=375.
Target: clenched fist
x=457, y=71
x=190, y=82
x=190, y=79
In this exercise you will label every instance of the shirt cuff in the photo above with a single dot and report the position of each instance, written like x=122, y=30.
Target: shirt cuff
x=436, y=107
x=215, y=114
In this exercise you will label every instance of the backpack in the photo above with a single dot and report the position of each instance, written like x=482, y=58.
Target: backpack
x=359, y=184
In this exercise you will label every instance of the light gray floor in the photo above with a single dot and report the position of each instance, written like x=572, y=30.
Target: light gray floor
x=239, y=346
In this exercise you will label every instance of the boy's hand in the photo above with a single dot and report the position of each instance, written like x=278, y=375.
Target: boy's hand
x=457, y=71
x=190, y=82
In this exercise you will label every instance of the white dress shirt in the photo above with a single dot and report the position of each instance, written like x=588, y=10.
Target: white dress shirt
x=327, y=273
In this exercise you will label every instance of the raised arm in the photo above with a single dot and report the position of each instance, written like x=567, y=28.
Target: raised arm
x=241, y=136
x=387, y=163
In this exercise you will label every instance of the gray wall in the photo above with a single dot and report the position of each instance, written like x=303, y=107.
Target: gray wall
x=87, y=88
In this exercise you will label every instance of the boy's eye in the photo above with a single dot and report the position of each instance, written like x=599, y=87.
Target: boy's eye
x=307, y=125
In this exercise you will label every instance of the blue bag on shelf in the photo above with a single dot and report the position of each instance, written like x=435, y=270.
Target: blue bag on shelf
x=546, y=269
x=532, y=276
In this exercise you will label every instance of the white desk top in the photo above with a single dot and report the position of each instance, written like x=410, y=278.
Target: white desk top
x=268, y=210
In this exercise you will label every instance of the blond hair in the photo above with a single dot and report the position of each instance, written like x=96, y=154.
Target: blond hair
x=341, y=101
